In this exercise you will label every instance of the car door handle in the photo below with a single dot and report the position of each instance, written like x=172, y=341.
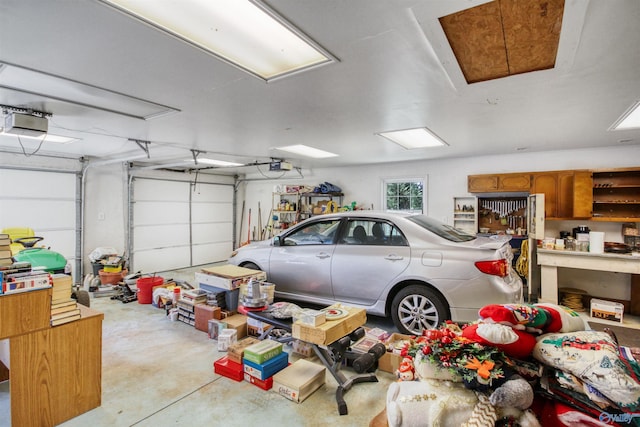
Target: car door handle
x=323, y=255
x=394, y=257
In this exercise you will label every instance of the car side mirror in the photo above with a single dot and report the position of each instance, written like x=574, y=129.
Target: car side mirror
x=277, y=241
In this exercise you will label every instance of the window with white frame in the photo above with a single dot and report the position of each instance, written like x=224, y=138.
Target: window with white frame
x=404, y=195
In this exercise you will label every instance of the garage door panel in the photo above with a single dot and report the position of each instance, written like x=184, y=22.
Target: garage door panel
x=160, y=190
x=39, y=214
x=44, y=201
x=36, y=184
x=170, y=214
x=160, y=213
x=206, y=212
x=211, y=233
x=161, y=236
x=59, y=241
x=172, y=259
x=212, y=252
x=212, y=193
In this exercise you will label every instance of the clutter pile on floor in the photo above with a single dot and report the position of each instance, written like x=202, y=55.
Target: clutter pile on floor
x=520, y=364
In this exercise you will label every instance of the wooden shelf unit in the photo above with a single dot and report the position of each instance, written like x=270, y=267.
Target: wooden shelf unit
x=465, y=213
x=616, y=195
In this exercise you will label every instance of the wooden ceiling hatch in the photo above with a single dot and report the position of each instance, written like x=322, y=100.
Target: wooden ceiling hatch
x=505, y=37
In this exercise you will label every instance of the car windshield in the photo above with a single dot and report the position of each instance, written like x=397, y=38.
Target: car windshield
x=441, y=229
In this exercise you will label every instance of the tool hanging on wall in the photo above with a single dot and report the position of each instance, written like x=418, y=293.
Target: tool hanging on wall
x=259, y=237
x=241, y=222
x=248, y=230
x=268, y=229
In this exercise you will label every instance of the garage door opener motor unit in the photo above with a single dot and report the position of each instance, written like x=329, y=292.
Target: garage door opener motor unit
x=280, y=166
x=25, y=124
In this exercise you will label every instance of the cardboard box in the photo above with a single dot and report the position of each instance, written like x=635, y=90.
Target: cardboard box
x=607, y=310
x=262, y=371
x=215, y=326
x=256, y=327
x=300, y=380
x=203, y=314
x=228, y=368
x=226, y=338
x=302, y=348
x=228, y=276
x=262, y=351
x=235, y=352
x=265, y=385
x=390, y=361
x=239, y=323
x=312, y=317
x=332, y=330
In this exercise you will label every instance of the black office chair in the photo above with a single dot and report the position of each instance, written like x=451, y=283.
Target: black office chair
x=360, y=234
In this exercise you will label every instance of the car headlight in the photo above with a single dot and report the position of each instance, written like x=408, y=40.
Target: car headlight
x=234, y=253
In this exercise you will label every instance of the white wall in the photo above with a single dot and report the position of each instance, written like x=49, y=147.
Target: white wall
x=447, y=178
x=106, y=201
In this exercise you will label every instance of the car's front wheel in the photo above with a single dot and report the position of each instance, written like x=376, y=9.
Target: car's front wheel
x=250, y=265
x=416, y=308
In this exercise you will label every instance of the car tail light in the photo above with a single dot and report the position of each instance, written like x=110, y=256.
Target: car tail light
x=499, y=267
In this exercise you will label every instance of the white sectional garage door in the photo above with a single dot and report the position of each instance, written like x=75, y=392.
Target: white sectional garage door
x=44, y=201
x=177, y=224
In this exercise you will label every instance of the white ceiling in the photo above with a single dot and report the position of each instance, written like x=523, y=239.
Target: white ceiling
x=394, y=71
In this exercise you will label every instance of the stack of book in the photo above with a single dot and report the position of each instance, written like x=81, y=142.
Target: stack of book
x=63, y=308
x=5, y=250
x=194, y=296
x=217, y=298
x=15, y=280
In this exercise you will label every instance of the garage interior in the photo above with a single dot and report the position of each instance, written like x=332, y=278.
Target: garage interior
x=175, y=156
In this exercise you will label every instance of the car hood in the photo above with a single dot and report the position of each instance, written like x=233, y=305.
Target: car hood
x=256, y=245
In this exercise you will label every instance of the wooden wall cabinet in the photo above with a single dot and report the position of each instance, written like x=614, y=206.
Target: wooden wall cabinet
x=508, y=182
x=567, y=193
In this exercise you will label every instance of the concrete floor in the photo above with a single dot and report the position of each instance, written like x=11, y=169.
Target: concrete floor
x=156, y=372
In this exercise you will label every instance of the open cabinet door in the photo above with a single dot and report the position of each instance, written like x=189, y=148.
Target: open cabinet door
x=535, y=230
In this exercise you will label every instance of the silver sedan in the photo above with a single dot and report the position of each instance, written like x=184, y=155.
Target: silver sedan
x=416, y=269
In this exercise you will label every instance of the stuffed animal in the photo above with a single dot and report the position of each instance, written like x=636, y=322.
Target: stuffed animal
x=536, y=318
x=406, y=371
x=431, y=402
x=515, y=343
x=511, y=327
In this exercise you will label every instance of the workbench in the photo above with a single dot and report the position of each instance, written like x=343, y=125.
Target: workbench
x=331, y=356
x=55, y=373
x=551, y=259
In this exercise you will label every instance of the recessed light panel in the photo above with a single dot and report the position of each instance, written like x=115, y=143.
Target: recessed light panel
x=413, y=138
x=214, y=162
x=58, y=139
x=630, y=119
x=306, y=151
x=244, y=33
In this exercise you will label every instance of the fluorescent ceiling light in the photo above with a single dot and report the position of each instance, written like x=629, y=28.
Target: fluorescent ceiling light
x=413, y=138
x=306, y=151
x=48, y=137
x=630, y=119
x=221, y=163
x=244, y=33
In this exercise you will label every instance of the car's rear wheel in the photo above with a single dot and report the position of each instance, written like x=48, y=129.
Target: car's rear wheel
x=416, y=308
